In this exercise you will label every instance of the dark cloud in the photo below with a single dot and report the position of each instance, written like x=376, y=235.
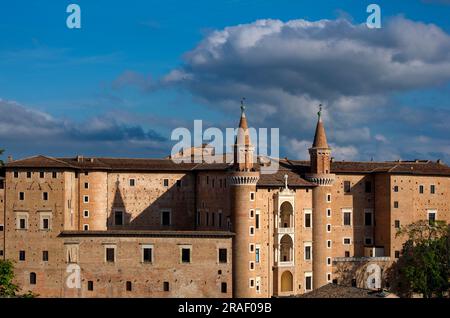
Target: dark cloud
x=25, y=131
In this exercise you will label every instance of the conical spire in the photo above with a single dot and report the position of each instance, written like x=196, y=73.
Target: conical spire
x=320, y=137
x=243, y=135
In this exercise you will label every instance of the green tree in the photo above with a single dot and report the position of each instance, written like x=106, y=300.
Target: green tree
x=425, y=260
x=7, y=288
x=1, y=153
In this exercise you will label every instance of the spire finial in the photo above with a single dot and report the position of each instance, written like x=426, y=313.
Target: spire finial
x=286, y=181
x=243, y=104
x=320, y=111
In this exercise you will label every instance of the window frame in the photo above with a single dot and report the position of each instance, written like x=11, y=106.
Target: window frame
x=162, y=217
x=147, y=247
x=183, y=248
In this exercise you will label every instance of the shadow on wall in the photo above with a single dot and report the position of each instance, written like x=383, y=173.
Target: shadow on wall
x=173, y=209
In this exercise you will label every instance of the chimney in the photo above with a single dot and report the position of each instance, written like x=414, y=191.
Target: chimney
x=80, y=158
x=439, y=161
x=10, y=159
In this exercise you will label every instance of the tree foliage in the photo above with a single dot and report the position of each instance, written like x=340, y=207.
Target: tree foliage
x=1, y=153
x=7, y=288
x=424, y=266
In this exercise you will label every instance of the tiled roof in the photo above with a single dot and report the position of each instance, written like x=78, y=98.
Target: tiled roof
x=337, y=291
x=293, y=168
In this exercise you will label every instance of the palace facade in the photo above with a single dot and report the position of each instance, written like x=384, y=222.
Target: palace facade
x=108, y=227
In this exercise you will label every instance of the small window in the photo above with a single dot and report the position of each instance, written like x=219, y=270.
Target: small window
x=166, y=286
x=110, y=255
x=328, y=197
x=1, y=252
x=347, y=254
x=22, y=223
x=257, y=254
x=252, y=230
x=132, y=182
x=45, y=196
x=179, y=183
x=86, y=173
x=223, y=255
x=328, y=243
x=129, y=286
x=86, y=185
x=347, y=186
x=220, y=219
x=368, y=218
x=86, y=214
x=397, y=224
x=86, y=199
x=42, y=175
x=21, y=196
x=147, y=254
x=308, y=283
x=90, y=285
x=165, y=218
x=329, y=228
x=118, y=218
x=396, y=189
x=368, y=186
x=166, y=183
x=22, y=256
x=252, y=214
x=54, y=175
x=32, y=278
x=328, y=277
x=28, y=174
x=397, y=254
x=347, y=241
x=328, y=213
x=252, y=248
x=45, y=256
x=185, y=255
x=329, y=261
x=252, y=283
x=2, y=227
x=347, y=218
x=46, y=223
x=421, y=189
x=252, y=265
x=396, y=204
x=86, y=227
x=308, y=252
x=16, y=174
x=252, y=196
x=432, y=189
x=368, y=241
x=223, y=288
x=308, y=219
x=431, y=217
x=257, y=215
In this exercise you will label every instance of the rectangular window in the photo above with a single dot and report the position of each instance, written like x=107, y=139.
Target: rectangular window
x=213, y=219
x=223, y=255
x=252, y=283
x=347, y=241
x=118, y=218
x=421, y=189
x=45, y=223
x=2, y=227
x=257, y=254
x=54, y=175
x=86, y=214
x=45, y=196
x=396, y=204
x=396, y=189
x=21, y=196
x=251, y=248
x=22, y=223
x=165, y=218
x=347, y=218
x=252, y=196
x=368, y=218
x=328, y=261
x=368, y=241
x=347, y=254
x=86, y=227
x=328, y=197
x=110, y=254
x=166, y=286
x=307, y=252
x=308, y=282
x=347, y=186
x=28, y=174
x=328, y=243
x=329, y=228
x=178, y=183
x=397, y=224
x=223, y=288
x=132, y=182
x=166, y=183
x=308, y=219
x=431, y=217
x=90, y=285
x=185, y=255
x=220, y=219
x=397, y=254
x=252, y=230
x=328, y=213
x=129, y=286
x=22, y=256
x=257, y=215
x=147, y=254
x=16, y=174
x=86, y=199
x=86, y=185
x=42, y=175
x=368, y=186
x=45, y=256
x=432, y=189
x=198, y=217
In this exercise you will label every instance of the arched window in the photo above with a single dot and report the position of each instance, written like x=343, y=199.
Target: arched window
x=32, y=278
x=286, y=215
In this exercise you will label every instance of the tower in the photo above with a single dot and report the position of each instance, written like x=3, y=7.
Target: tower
x=242, y=180
x=320, y=174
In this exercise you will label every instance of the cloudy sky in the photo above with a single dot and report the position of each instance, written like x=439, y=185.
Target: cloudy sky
x=137, y=70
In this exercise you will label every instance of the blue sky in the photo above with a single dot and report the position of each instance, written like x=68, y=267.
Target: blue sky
x=103, y=90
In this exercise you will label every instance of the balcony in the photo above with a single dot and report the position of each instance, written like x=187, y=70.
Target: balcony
x=286, y=264
x=285, y=230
